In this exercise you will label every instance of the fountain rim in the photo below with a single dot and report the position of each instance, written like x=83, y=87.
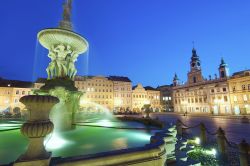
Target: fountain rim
x=77, y=38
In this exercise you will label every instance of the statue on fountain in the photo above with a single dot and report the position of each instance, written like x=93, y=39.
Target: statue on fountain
x=62, y=63
x=64, y=46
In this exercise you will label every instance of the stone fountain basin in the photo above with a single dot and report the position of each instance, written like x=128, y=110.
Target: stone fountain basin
x=84, y=140
x=55, y=36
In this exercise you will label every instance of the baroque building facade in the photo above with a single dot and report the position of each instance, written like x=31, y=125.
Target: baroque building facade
x=145, y=95
x=166, y=97
x=10, y=93
x=239, y=87
x=200, y=95
x=98, y=92
x=113, y=93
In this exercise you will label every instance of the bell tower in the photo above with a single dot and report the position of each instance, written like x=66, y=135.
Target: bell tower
x=175, y=80
x=195, y=75
x=223, y=69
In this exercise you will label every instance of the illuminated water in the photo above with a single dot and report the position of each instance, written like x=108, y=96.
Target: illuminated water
x=83, y=140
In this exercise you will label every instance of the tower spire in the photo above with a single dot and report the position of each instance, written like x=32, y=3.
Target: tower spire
x=65, y=23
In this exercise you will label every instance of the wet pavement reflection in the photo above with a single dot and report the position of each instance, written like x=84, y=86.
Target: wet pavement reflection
x=235, y=130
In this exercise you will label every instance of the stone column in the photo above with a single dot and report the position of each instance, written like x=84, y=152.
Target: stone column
x=36, y=128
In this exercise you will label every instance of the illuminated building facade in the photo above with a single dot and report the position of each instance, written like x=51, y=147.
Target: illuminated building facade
x=122, y=93
x=239, y=86
x=10, y=93
x=166, y=97
x=145, y=95
x=98, y=90
x=199, y=95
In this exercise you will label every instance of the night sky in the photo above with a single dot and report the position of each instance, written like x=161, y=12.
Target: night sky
x=146, y=40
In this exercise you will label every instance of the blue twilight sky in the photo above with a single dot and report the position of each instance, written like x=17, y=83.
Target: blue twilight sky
x=146, y=40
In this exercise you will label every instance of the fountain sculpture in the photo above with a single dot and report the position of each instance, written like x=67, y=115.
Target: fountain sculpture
x=64, y=47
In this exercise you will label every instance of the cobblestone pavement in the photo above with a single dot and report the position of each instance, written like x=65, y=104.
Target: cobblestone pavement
x=235, y=130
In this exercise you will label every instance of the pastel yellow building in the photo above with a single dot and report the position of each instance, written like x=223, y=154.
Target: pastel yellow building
x=98, y=92
x=239, y=85
x=142, y=96
x=153, y=96
x=10, y=93
x=122, y=93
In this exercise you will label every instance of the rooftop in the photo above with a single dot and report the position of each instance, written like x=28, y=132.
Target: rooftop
x=119, y=78
x=15, y=83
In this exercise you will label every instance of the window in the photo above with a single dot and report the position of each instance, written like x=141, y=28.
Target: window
x=212, y=90
x=224, y=89
x=234, y=88
x=235, y=98
x=243, y=87
x=17, y=92
x=23, y=92
x=225, y=98
x=248, y=86
x=200, y=100
x=245, y=97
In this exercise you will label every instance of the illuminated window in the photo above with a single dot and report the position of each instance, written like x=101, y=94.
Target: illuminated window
x=235, y=98
x=245, y=97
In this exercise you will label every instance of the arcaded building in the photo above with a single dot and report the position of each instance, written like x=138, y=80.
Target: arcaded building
x=201, y=95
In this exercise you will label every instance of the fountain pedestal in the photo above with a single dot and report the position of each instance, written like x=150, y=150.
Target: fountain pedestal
x=36, y=128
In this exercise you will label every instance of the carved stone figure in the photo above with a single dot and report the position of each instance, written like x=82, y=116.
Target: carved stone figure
x=71, y=65
x=62, y=63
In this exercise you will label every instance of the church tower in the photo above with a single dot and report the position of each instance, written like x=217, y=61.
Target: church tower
x=175, y=80
x=195, y=75
x=223, y=69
